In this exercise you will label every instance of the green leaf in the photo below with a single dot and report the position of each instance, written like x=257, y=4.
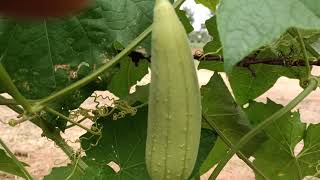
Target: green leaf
x=213, y=46
x=140, y=95
x=242, y=31
x=211, y=4
x=249, y=83
x=185, y=21
x=65, y=172
x=121, y=20
x=128, y=76
x=276, y=156
x=208, y=138
x=7, y=165
x=34, y=49
x=123, y=142
x=217, y=152
x=310, y=155
x=313, y=5
x=219, y=108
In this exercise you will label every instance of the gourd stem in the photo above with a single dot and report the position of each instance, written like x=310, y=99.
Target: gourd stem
x=313, y=83
x=100, y=70
x=16, y=161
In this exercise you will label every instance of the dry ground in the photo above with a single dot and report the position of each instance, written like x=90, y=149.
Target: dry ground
x=41, y=154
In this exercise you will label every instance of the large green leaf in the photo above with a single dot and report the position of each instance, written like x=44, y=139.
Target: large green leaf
x=247, y=25
x=122, y=142
x=7, y=165
x=117, y=20
x=277, y=157
x=127, y=76
x=34, y=49
x=220, y=108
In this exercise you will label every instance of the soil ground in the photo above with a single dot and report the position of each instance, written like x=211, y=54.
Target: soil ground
x=41, y=154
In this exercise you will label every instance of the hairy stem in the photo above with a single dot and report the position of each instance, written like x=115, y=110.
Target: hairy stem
x=56, y=113
x=224, y=138
x=16, y=161
x=313, y=83
x=6, y=81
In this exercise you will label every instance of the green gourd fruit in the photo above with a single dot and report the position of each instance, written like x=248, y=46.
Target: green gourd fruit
x=174, y=117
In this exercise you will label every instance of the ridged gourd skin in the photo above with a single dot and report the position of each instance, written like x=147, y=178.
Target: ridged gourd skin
x=174, y=117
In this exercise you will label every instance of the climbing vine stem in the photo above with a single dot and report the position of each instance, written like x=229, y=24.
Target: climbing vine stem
x=16, y=161
x=313, y=83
